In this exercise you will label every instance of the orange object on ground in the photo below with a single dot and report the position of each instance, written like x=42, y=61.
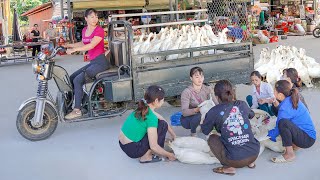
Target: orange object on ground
x=274, y=39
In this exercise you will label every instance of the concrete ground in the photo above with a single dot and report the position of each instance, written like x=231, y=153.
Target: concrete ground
x=90, y=150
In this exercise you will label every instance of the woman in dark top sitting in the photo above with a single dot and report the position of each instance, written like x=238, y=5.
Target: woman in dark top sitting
x=292, y=76
x=236, y=147
x=35, y=35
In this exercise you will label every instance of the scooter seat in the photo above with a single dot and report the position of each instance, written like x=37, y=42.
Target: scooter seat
x=106, y=73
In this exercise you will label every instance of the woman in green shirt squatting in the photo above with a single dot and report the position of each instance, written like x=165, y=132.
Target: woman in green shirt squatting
x=144, y=131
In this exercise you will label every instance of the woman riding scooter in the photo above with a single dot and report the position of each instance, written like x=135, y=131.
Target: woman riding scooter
x=92, y=41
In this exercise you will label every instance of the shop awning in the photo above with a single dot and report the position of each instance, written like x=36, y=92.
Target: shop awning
x=108, y=5
x=159, y=4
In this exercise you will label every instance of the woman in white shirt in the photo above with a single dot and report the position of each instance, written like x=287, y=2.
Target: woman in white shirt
x=262, y=94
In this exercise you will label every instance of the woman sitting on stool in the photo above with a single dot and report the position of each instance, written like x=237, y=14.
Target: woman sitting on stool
x=294, y=123
x=144, y=131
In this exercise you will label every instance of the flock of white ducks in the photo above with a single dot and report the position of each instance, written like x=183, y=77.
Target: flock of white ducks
x=172, y=39
x=272, y=63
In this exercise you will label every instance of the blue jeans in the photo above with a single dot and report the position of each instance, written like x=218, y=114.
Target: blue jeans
x=191, y=122
x=78, y=78
x=265, y=107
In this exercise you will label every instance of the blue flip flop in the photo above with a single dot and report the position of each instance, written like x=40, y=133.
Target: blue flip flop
x=153, y=160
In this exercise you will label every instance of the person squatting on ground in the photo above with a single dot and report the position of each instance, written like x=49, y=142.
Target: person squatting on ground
x=191, y=97
x=237, y=146
x=294, y=123
x=143, y=133
x=262, y=94
x=291, y=75
x=92, y=41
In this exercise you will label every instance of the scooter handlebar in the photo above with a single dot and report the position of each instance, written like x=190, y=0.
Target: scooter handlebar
x=55, y=51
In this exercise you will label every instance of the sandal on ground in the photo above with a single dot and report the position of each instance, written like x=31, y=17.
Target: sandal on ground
x=280, y=159
x=219, y=170
x=252, y=167
x=153, y=160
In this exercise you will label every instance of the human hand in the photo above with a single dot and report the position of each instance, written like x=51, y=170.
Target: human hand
x=67, y=45
x=171, y=157
x=70, y=51
x=196, y=110
x=261, y=101
x=173, y=137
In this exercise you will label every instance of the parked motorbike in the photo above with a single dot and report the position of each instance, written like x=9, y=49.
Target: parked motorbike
x=38, y=116
x=316, y=32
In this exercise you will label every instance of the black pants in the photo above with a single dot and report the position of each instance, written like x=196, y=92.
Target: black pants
x=78, y=78
x=191, y=122
x=138, y=149
x=292, y=134
x=34, y=49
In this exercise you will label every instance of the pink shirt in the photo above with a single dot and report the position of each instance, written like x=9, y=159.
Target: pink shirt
x=99, y=48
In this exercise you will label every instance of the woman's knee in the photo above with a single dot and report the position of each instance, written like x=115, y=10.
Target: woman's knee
x=213, y=140
x=249, y=99
x=283, y=123
x=79, y=79
x=163, y=125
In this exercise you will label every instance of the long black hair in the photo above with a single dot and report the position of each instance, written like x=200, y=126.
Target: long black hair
x=284, y=87
x=153, y=92
x=224, y=90
x=292, y=73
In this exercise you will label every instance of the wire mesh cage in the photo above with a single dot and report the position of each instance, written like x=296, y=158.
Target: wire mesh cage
x=231, y=14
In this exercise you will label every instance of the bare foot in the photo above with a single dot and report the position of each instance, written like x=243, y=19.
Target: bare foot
x=289, y=156
x=252, y=165
x=295, y=148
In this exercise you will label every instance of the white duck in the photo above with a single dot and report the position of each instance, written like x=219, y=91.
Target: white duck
x=193, y=156
x=205, y=106
x=196, y=43
x=145, y=47
x=137, y=45
x=173, y=47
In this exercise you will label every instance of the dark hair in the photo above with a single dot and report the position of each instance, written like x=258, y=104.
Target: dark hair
x=284, y=87
x=35, y=25
x=256, y=73
x=195, y=70
x=292, y=73
x=90, y=11
x=224, y=90
x=153, y=92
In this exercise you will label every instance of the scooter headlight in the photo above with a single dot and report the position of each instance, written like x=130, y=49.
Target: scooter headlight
x=36, y=68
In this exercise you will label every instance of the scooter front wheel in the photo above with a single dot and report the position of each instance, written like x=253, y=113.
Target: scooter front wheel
x=316, y=32
x=35, y=133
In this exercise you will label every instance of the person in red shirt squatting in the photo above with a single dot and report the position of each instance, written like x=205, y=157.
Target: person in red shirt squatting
x=92, y=41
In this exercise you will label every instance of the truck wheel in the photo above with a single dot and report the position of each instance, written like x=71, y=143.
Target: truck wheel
x=32, y=133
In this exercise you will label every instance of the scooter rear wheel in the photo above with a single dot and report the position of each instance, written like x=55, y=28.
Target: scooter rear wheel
x=316, y=32
x=28, y=130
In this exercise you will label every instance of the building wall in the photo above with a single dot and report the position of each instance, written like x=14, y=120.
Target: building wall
x=38, y=19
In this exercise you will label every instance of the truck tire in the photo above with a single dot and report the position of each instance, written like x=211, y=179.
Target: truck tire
x=28, y=131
